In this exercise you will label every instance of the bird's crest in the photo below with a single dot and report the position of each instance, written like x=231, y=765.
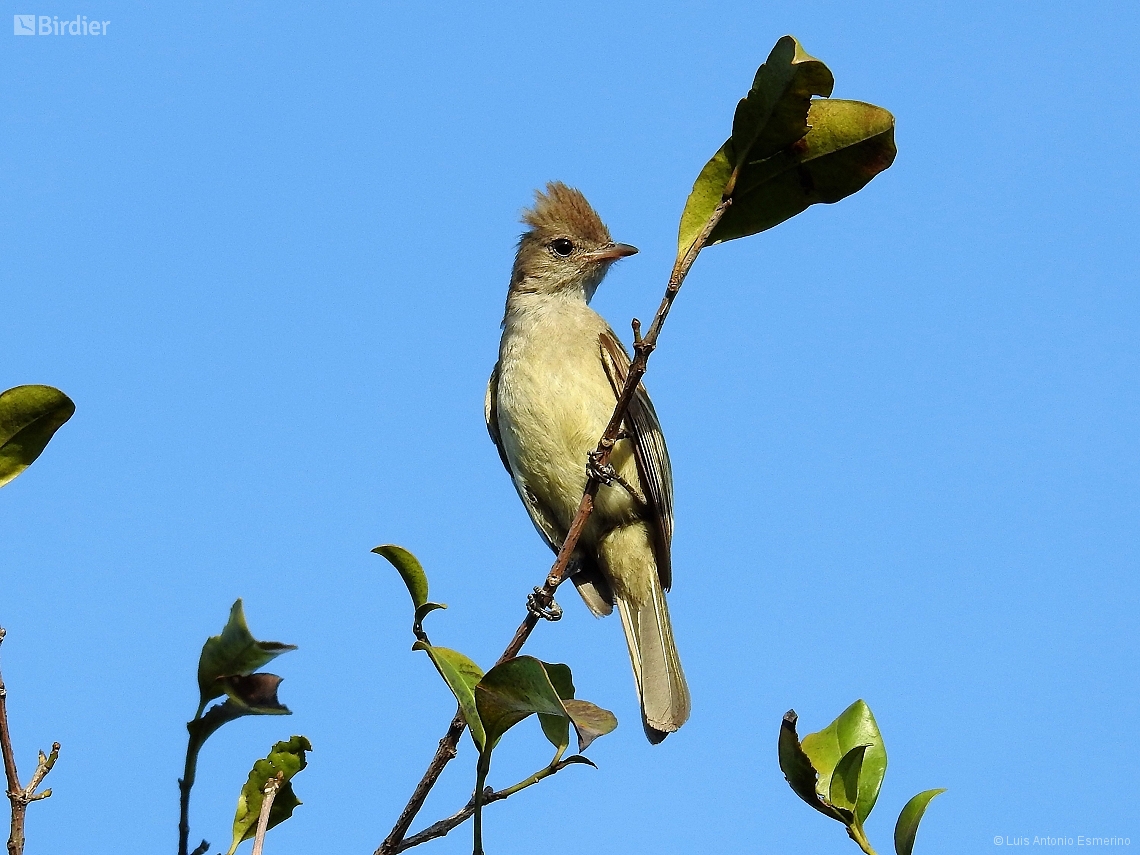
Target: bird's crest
x=563, y=209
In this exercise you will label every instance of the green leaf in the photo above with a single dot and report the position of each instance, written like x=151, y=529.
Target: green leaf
x=557, y=727
x=577, y=758
x=461, y=675
x=774, y=113
x=844, y=790
x=425, y=610
x=849, y=144
x=286, y=758
x=707, y=193
x=29, y=417
x=235, y=652
x=855, y=726
x=772, y=117
x=798, y=770
x=515, y=689
x=907, y=826
x=412, y=572
x=252, y=694
x=409, y=569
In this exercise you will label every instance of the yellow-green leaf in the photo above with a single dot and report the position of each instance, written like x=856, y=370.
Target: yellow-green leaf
x=707, y=193
x=286, y=758
x=855, y=726
x=844, y=790
x=907, y=826
x=410, y=570
x=849, y=143
x=29, y=417
x=461, y=674
x=774, y=113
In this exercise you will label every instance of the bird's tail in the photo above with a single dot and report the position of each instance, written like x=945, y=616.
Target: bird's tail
x=661, y=685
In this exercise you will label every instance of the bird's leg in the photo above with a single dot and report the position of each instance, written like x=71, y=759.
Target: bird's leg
x=603, y=471
x=609, y=476
x=541, y=604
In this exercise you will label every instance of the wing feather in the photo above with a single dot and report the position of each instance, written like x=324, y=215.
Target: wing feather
x=652, y=457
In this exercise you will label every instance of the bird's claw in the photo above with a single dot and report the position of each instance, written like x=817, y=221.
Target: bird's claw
x=604, y=472
x=542, y=605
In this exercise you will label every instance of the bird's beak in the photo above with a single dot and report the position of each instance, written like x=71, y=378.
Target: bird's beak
x=611, y=253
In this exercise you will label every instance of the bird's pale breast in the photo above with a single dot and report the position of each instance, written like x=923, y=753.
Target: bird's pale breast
x=554, y=402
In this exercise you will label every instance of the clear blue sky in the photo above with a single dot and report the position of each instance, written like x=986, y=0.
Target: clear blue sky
x=265, y=248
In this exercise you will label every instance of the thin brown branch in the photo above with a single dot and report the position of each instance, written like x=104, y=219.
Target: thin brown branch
x=16, y=839
x=443, y=754
x=20, y=796
x=269, y=792
x=544, y=596
x=441, y=828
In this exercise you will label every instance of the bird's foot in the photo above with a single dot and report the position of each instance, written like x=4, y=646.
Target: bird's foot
x=542, y=605
x=609, y=476
x=604, y=472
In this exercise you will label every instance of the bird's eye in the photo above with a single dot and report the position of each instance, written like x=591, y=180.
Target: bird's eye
x=562, y=247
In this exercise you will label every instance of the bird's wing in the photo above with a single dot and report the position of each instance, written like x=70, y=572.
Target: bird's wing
x=652, y=457
x=491, y=413
x=593, y=587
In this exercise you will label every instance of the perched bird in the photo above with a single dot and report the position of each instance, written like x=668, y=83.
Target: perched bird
x=549, y=400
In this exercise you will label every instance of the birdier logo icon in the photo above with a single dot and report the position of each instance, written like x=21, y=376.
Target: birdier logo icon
x=51, y=25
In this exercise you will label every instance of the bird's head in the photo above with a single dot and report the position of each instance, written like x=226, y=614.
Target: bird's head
x=567, y=249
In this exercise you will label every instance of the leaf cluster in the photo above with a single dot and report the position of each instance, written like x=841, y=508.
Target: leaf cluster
x=493, y=702
x=788, y=150
x=229, y=667
x=839, y=771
